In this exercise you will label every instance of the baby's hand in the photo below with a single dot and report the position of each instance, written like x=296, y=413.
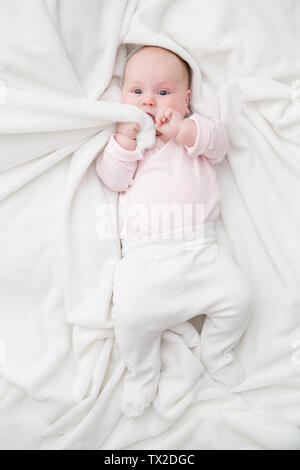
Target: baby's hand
x=126, y=134
x=168, y=122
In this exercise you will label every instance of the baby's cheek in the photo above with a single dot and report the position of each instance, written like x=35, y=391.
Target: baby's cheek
x=128, y=98
x=169, y=103
x=177, y=105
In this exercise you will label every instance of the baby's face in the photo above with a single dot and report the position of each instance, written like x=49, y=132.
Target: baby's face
x=156, y=78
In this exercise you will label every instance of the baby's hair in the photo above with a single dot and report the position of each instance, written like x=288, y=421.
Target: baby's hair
x=184, y=63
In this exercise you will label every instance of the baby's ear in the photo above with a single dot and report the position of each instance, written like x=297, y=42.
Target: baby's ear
x=188, y=96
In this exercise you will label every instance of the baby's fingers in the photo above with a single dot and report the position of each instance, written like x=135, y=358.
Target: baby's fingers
x=163, y=116
x=168, y=113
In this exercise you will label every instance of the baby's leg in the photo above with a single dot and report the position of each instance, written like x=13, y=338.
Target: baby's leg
x=143, y=361
x=153, y=295
x=138, y=334
x=225, y=322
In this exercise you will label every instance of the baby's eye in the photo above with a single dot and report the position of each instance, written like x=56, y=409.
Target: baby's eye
x=137, y=91
x=163, y=92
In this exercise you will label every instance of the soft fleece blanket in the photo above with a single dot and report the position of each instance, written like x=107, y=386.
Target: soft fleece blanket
x=61, y=373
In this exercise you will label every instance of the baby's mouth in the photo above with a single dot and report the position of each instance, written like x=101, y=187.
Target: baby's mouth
x=152, y=117
x=154, y=122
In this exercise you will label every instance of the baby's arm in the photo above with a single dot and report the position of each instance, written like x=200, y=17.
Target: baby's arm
x=211, y=139
x=187, y=133
x=200, y=136
x=116, y=165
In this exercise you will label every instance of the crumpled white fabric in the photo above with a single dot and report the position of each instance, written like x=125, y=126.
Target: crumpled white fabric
x=61, y=371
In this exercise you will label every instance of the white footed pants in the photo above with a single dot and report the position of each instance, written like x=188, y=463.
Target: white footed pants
x=161, y=283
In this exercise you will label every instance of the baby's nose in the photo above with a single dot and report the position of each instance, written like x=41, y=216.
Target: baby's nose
x=148, y=100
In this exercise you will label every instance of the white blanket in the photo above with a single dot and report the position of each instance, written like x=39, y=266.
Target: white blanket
x=61, y=372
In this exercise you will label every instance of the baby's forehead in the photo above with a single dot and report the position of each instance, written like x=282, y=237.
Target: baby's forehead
x=156, y=56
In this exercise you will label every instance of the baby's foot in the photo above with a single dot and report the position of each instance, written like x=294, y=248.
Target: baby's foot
x=134, y=400
x=230, y=375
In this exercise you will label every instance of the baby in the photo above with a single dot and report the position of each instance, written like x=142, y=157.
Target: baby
x=170, y=270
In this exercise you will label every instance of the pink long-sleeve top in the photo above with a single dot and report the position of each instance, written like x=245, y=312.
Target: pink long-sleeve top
x=169, y=186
